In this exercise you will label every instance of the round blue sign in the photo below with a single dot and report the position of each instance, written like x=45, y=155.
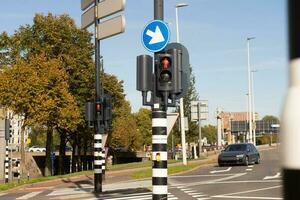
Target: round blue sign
x=155, y=36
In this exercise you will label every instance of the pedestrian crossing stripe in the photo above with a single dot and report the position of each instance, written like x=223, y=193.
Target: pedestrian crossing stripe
x=29, y=195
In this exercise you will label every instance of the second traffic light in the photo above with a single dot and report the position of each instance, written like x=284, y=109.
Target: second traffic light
x=8, y=129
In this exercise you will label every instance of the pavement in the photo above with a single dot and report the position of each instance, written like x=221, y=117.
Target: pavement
x=207, y=182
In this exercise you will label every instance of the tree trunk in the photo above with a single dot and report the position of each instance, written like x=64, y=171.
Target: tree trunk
x=84, y=154
x=22, y=151
x=48, y=164
x=62, y=153
x=79, y=162
x=73, y=155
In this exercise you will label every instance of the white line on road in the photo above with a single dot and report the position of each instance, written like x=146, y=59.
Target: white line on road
x=2, y=194
x=272, y=177
x=248, y=191
x=201, y=175
x=29, y=195
x=251, y=166
x=249, y=169
x=246, y=197
x=219, y=171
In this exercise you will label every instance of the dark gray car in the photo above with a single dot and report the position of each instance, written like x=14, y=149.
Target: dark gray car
x=243, y=153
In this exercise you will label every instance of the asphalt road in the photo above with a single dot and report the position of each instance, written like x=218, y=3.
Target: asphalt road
x=261, y=181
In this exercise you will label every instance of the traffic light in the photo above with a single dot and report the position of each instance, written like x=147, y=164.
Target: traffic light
x=8, y=129
x=107, y=112
x=99, y=110
x=164, y=73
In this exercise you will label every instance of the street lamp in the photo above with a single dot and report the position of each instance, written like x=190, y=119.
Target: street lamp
x=249, y=90
x=182, y=127
x=253, y=107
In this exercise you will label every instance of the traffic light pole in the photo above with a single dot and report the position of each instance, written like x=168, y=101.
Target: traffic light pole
x=98, y=126
x=6, y=161
x=159, y=132
x=291, y=112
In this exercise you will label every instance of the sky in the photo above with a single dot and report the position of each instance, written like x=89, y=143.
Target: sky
x=213, y=31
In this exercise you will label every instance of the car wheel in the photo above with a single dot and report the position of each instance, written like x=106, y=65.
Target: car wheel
x=246, y=161
x=258, y=160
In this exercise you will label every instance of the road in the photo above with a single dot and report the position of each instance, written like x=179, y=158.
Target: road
x=261, y=181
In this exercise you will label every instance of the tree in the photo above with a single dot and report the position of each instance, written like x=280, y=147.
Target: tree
x=143, y=121
x=59, y=38
x=37, y=88
x=192, y=95
x=210, y=132
x=271, y=118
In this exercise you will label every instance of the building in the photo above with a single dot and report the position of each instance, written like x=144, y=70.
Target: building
x=227, y=118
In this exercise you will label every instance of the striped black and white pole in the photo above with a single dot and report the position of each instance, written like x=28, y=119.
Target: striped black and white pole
x=159, y=154
x=98, y=162
x=103, y=162
x=6, y=163
x=290, y=128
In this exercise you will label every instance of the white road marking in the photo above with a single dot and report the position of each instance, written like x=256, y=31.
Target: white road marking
x=272, y=177
x=249, y=169
x=246, y=197
x=2, y=194
x=251, y=166
x=248, y=191
x=29, y=195
x=201, y=175
x=219, y=171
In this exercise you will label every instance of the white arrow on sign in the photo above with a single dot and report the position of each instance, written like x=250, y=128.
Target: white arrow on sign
x=157, y=36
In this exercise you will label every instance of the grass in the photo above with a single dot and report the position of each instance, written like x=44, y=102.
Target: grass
x=15, y=183
x=143, y=173
x=135, y=165
x=146, y=173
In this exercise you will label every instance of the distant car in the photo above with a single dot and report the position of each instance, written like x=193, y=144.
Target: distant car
x=244, y=153
x=36, y=149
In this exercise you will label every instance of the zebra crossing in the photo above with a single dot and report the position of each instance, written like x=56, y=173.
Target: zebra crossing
x=194, y=193
x=82, y=193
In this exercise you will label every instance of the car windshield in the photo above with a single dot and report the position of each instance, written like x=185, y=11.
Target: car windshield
x=236, y=147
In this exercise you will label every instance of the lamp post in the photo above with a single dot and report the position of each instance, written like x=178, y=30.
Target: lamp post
x=249, y=90
x=253, y=107
x=182, y=127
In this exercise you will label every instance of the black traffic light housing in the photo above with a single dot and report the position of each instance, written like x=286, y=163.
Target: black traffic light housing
x=171, y=77
x=8, y=129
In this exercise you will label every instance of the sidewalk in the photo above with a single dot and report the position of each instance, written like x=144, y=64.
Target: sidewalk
x=114, y=180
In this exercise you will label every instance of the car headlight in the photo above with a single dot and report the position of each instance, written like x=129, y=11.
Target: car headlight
x=240, y=156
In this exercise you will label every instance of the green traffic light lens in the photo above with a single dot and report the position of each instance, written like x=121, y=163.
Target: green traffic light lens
x=165, y=76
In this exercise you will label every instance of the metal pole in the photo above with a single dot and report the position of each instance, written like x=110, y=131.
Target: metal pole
x=253, y=107
x=199, y=124
x=249, y=90
x=182, y=126
x=291, y=112
x=159, y=133
x=98, y=128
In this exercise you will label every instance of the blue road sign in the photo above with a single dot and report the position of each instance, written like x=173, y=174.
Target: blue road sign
x=155, y=35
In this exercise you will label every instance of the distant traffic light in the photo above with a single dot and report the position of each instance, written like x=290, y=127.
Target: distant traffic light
x=8, y=129
x=107, y=112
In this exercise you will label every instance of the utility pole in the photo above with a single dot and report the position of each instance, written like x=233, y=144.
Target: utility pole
x=199, y=126
x=219, y=124
x=291, y=111
x=181, y=106
x=249, y=90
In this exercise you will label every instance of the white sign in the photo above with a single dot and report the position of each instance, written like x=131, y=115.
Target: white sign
x=111, y=27
x=104, y=9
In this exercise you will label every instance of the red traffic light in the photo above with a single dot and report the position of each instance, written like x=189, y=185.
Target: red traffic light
x=98, y=106
x=165, y=62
